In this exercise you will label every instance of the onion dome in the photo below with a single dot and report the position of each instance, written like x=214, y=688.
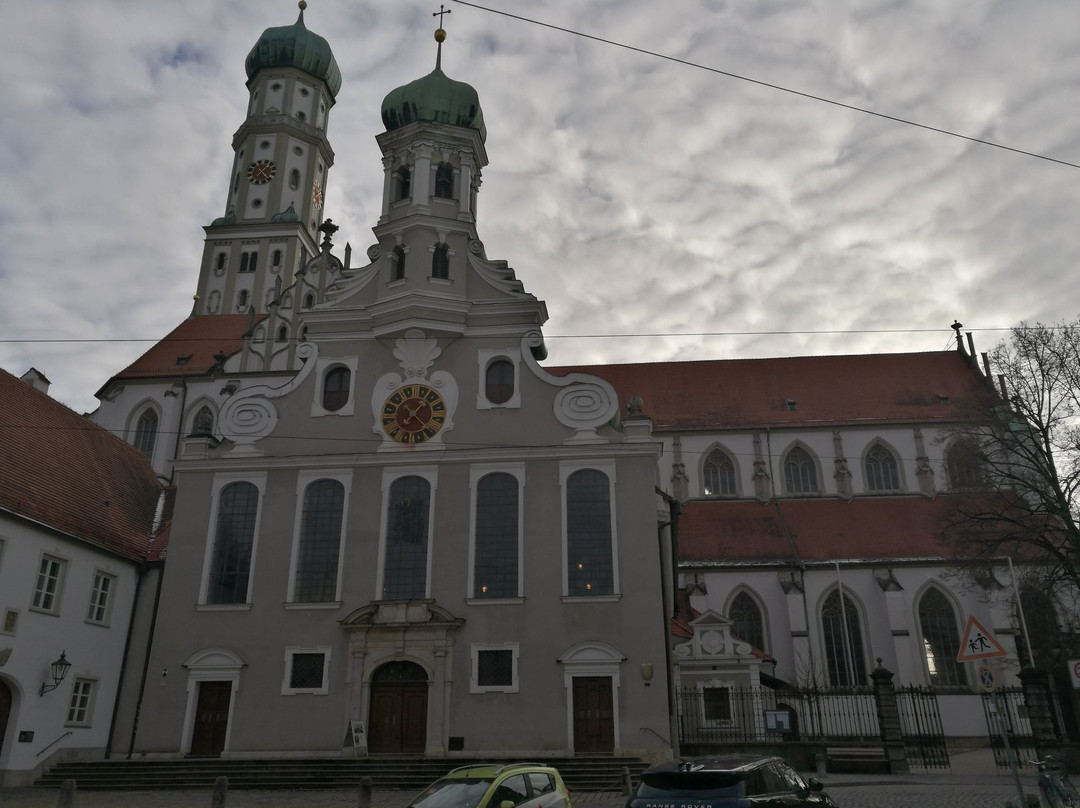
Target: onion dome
x=295, y=46
x=436, y=98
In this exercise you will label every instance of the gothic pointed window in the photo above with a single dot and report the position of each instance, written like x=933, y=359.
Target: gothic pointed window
x=405, y=566
x=495, y=568
x=747, y=622
x=841, y=632
x=940, y=640
x=440, y=262
x=146, y=432
x=590, y=570
x=444, y=181
x=399, y=263
x=234, y=537
x=203, y=423
x=800, y=472
x=965, y=464
x=719, y=475
x=320, y=543
x=882, y=470
x=402, y=183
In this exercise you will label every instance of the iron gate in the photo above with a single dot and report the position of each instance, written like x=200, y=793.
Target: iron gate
x=1006, y=717
x=920, y=725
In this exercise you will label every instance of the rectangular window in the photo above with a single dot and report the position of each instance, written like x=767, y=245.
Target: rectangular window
x=494, y=668
x=47, y=589
x=717, y=702
x=306, y=671
x=11, y=622
x=79, y=709
x=100, y=599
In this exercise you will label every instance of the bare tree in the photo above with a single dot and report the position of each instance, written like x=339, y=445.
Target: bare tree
x=1016, y=459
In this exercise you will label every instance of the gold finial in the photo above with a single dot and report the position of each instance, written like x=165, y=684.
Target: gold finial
x=440, y=35
x=302, y=4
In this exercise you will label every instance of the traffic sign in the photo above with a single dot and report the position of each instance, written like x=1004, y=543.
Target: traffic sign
x=986, y=678
x=1074, y=669
x=978, y=643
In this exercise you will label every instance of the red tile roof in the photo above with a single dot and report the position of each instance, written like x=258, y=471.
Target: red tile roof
x=826, y=390
x=59, y=469
x=865, y=528
x=190, y=348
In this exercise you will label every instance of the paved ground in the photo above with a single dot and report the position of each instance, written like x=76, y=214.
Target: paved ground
x=850, y=791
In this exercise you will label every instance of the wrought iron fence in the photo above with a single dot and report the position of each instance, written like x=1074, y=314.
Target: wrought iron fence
x=1007, y=718
x=719, y=714
x=921, y=728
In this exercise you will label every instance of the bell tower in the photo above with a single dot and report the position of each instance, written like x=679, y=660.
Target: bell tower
x=280, y=167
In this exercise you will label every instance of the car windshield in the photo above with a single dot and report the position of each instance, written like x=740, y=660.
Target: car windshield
x=692, y=785
x=463, y=792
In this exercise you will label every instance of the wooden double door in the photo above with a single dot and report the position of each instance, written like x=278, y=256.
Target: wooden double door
x=211, y=719
x=594, y=716
x=397, y=720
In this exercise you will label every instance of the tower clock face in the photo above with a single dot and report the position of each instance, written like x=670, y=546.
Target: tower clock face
x=261, y=171
x=413, y=414
x=316, y=195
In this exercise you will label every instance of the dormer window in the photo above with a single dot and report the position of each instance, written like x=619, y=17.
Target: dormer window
x=444, y=181
x=402, y=183
x=440, y=262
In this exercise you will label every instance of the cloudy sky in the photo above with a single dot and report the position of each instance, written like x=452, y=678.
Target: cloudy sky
x=663, y=211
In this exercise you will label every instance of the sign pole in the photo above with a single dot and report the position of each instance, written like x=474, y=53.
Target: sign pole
x=1008, y=748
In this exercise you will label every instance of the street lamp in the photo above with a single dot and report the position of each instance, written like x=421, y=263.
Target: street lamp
x=58, y=670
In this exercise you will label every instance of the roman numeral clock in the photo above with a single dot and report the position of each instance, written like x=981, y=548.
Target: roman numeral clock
x=414, y=408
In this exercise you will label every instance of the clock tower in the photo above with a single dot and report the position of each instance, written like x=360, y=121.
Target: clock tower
x=281, y=159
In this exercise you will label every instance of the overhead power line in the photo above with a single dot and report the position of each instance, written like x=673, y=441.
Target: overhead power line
x=779, y=87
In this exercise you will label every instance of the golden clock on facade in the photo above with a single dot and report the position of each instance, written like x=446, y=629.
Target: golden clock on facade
x=261, y=171
x=413, y=414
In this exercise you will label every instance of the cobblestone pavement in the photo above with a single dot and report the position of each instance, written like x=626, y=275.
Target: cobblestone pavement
x=850, y=791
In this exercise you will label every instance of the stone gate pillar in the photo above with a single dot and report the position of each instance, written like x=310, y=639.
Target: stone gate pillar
x=892, y=737
x=1037, y=700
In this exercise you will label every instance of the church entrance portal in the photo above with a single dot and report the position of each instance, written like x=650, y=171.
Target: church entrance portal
x=211, y=719
x=594, y=726
x=397, y=721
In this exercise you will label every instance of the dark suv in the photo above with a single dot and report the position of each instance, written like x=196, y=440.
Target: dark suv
x=727, y=782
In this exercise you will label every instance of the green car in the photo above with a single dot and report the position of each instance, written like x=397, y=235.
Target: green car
x=492, y=785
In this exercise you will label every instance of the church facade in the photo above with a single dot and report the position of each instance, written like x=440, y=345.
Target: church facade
x=396, y=531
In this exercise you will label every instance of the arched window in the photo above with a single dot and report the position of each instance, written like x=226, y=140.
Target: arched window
x=220, y=261
x=440, y=262
x=746, y=620
x=495, y=568
x=146, y=432
x=309, y=300
x=320, y=543
x=405, y=570
x=940, y=640
x=275, y=258
x=336, y=384
x=203, y=423
x=230, y=563
x=499, y=381
x=402, y=183
x=800, y=472
x=283, y=334
x=718, y=475
x=242, y=299
x=882, y=471
x=842, y=635
x=294, y=178
x=588, y=534
x=444, y=181
x=965, y=465
x=399, y=263
x=249, y=261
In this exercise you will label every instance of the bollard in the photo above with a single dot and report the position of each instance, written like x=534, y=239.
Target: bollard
x=363, y=799
x=221, y=792
x=624, y=778
x=67, y=795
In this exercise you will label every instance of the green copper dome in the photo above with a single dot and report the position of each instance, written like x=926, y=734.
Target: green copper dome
x=436, y=98
x=295, y=46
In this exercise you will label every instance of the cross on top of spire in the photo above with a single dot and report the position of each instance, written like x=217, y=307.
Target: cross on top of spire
x=443, y=10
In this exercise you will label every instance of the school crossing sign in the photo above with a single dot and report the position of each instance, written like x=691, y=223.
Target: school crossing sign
x=978, y=643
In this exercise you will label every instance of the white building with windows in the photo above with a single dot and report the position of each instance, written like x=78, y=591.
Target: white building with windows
x=77, y=518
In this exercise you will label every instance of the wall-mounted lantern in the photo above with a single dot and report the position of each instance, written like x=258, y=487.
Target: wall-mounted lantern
x=57, y=670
